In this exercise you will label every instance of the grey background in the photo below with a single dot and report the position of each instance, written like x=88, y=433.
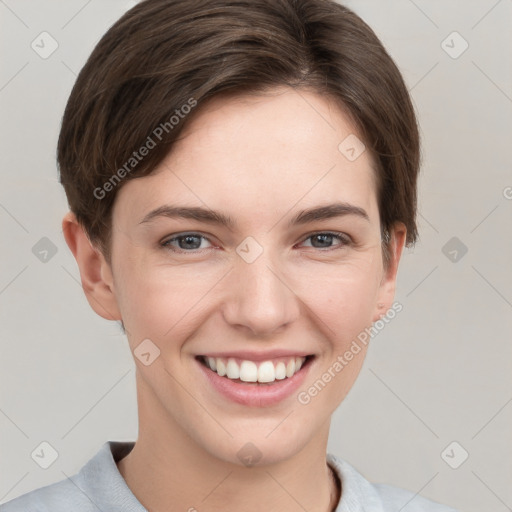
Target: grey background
x=439, y=372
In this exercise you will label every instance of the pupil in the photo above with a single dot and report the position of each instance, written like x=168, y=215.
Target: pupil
x=188, y=238
x=328, y=237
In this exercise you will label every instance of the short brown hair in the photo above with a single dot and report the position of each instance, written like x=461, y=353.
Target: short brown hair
x=165, y=54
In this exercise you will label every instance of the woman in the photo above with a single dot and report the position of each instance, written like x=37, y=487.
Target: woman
x=241, y=177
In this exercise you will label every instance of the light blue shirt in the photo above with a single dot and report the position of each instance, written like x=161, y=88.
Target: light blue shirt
x=99, y=487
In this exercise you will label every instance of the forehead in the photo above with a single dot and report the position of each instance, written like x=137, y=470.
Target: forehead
x=282, y=121
x=259, y=154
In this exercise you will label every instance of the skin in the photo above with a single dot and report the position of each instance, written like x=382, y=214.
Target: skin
x=260, y=160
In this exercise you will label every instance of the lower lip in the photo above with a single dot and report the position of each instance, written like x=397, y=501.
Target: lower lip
x=254, y=394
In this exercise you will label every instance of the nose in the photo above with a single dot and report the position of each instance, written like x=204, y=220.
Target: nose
x=260, y=300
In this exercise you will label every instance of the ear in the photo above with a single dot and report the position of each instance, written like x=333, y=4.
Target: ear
x=386, y=292
x=95, y=272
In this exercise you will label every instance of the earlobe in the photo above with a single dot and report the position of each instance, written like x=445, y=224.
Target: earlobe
x=386, y=292
x=95, y=272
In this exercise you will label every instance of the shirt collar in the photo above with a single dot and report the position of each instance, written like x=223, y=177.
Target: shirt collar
x=101, y=481
x=357, y=493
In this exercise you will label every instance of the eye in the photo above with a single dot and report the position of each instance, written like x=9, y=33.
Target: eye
x=325, y=239
x=187, y=242
x=191, y=242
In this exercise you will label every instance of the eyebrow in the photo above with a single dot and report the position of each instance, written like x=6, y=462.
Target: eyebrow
x=201, y=214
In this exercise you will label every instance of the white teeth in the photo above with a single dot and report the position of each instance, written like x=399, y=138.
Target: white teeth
x=266, y=372
x=232, y=370
x=280, y=371
x=221, y=367
x=249, y=371
x=290, y=368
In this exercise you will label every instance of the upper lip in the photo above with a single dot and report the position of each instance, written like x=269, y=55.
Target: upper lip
x=258, y=355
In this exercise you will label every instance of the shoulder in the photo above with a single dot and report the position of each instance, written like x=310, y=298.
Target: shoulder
x=358, y=494
x=97, y=486
x=60, y=496
x=407, y=501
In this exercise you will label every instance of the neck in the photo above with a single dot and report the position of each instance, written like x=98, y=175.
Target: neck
x=169, y=470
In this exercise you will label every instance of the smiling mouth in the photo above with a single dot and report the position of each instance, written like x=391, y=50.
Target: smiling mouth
x=251, y=372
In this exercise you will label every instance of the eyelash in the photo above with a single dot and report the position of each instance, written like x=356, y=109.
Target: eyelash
x=342, y=237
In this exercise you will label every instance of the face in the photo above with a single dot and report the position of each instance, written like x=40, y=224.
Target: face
x=274, y=283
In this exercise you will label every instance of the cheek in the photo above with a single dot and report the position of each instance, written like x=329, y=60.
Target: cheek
x=342, y=296
x=342, y=305
x=161, y=302
x=158, y=302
